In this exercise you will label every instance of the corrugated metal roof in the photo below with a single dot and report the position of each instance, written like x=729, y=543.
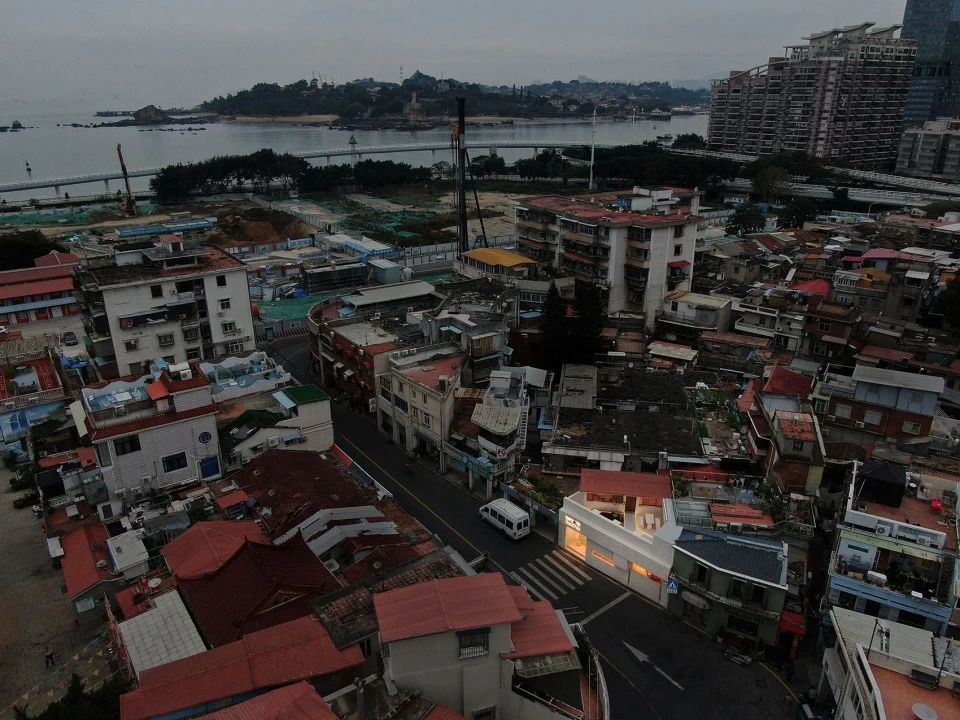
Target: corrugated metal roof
x=161, y=635
x=498, y=256
x=389, y=293
x=440, y=606
x=896, y=378
x=299, y=701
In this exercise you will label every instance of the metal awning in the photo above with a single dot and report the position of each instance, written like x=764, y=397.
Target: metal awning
x=79, y=417
x=338, y=366
x=678, y=263
x=285, y=402
x=451, y=328
x=327, y=356
x=291, y=437
x=348, y=373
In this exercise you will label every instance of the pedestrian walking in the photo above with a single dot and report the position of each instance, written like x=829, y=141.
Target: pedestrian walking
x=48, y=658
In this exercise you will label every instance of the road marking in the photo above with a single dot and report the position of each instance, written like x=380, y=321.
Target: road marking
x=525, y=584
x=569, y=563
x=640, y=693
x=561, y=569
x=601, y=611
x=542, y=590
x=552, y=573
x=644, y=658
x=549, y=582
x=425, y=506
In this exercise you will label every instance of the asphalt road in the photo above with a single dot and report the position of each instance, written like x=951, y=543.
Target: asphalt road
x=673, y=671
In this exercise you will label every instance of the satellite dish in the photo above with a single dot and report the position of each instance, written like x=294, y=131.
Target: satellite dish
x=922, y=711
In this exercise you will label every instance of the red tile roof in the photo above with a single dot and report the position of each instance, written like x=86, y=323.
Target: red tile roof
x=447, y=605
x=55, y=257
x=86, y=456
x=299, y=701
x=740, y=513
x=129, y=606
x=813, y=287
x=207, y=545
x=539, y=633
x=770, y=243
x=735, y=338
x=796, y=426
x=429, y=372
x=745, y=401
x=783, y=381
x=251, y=582
x=381, y=560
x=295, y=484
x=80, y=558
x=23, y=275
x=135, y=426
x=39, y=287
x=616, y=482
x=882, y=353
x=281, y=655
x=230, y=499
x=47, y=378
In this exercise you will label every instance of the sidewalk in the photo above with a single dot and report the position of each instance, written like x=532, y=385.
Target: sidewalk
x=36, y=614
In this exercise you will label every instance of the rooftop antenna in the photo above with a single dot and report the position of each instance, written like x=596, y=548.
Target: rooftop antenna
x=593, y=145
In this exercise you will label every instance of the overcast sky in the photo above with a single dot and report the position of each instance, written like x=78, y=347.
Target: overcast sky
x=169, y=52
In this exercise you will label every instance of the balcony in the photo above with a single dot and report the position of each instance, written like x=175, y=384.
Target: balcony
x=642, y=263
x=742, y=325
x=579, y=237
x=901, y=580
x=635, y=282
x=532, y=224
x=576, y=257
x=736, y=602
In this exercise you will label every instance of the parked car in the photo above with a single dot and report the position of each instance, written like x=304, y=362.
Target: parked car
x=70, y=338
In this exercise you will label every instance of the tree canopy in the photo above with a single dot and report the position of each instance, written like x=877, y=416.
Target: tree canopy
x=796, y=213
x=20, y=248
x=745, y=220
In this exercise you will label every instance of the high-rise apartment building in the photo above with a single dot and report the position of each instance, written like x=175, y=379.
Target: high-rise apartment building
x=840, y=97
x=935, y=84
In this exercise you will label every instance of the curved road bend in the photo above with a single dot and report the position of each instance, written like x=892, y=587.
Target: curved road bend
x=684, y=674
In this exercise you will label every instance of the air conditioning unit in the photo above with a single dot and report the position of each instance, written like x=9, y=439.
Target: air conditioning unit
x=883, y=530
x=101, y=564
x=925, y=541
x=273, y=442
x=145, y=480
x=859, y=423
x=244, y=460
x=10, y=404
x=122, y=492
x=173, y=291
x=831, y=418
x=34, y=400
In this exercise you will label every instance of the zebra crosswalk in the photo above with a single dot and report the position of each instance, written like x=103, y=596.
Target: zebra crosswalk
x=551, y=576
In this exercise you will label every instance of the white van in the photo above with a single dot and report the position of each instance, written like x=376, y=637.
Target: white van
x=511, y=519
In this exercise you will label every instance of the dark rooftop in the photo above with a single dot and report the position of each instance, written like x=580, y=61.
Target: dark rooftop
x=650, y=428
x=757, y=558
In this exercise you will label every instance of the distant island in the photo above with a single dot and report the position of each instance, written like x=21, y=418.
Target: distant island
x=422, y=101
x=152, y=115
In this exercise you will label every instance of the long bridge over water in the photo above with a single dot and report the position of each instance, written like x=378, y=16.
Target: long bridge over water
x=924, y=190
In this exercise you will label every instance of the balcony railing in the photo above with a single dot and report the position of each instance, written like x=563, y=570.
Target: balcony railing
x=732, y=601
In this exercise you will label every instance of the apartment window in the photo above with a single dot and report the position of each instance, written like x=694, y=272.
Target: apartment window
x=674, y=306
x=737, y=589
x=400, y=403
x=191, y=335
x=235, y=347
x=172, y=463
x=229, y=327
x=193, y=353
x=756, y=594
x=824, y=326
x=225, y=304
x=126, y=445
x=842, y=411
x=424, y=398
x=103, y=455
x=415, y=413
x=678, y=232
x=156, y=291
x=385, y=382
x=911, y=428
x=678, y=249
x=426, y=420
x=872, y=417
x=474, y=643
x=386, y=394
x=400, y=388
x=221, y=280
x=169, y=359
x=819, y=348
x=916, y=396
x=798, y=445
x=131, y=345
x=700, y=574
x=165, y=340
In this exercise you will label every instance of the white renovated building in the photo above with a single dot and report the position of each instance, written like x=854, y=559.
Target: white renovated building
x=623, y=524
x=169, y=299
x=151, y=433
x=638, y=246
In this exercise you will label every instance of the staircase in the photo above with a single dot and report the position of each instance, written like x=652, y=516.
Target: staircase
x=522, y=431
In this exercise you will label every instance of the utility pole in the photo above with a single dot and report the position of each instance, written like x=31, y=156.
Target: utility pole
x=462, y=239
x=131, y=203
x=593, y=145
